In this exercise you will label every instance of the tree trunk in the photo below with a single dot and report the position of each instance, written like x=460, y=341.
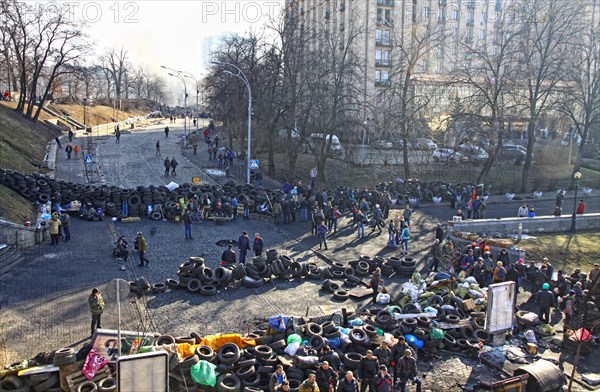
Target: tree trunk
x=529, y=157
x=405, y=165
x=491, y=159
x=271, y=156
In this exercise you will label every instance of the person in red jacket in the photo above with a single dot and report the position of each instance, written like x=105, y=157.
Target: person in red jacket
x=580, y=207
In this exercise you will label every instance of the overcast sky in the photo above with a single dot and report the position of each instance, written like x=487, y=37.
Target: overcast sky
x=169, y=33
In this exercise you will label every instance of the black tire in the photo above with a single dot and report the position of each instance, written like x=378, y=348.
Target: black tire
x=228, y=383
x=245, y=372
x=296, y=269
x=263, y=351
x=172, y=283
x=349, y=271
x=107, y=385
x=326, y=273
x=194, y=285
x=449, y=341
x=208, y=289
x=64, y=352
x=452, y=319
x=229, y=353
x=457, y=303
x=313, y=329
x=408, y=262
x=383, y=317
x=62, y=361
x=87, y=386
x=341, y=295
x=165, y=339
x=358, y=336
x=205, y=353
x=467, y=332
x=49, y=383
x=337, y=274
x=159, y=288
x=406, y=271
x=11, y=382
x=352, y=360
x=370, y=330
x=251, y=283
x=316, y=342
x=142, y=283
x=278, y=345
x=247, y=362
x=239, y=272
x=478, y=323
x=435, y=300
x=409, y=322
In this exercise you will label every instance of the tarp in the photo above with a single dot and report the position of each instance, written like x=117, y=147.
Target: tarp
x=582, y=335
x=216, y=341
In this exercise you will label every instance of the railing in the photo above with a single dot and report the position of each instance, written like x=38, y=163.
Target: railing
x=389, y=3
x=380, y=42
x=380, y=82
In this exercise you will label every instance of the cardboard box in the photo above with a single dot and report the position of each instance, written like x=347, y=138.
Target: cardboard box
x=469, y=304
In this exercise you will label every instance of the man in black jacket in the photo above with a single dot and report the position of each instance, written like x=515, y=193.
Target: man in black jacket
x=544, y=299
x=407, y=370
x=332, y=358
x=326, y=377
x=398, y=351
x=367, y=370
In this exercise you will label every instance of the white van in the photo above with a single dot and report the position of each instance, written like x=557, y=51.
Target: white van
x=336, y=147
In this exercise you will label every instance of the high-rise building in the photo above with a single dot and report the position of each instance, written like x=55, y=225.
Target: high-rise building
x=210, y=45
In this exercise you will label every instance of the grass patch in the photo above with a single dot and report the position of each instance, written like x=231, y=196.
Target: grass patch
x=565, y=251
x=14, y=207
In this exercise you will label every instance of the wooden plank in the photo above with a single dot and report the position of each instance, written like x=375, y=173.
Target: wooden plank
x=360, y=292
x=66, y=370
x=76, y=379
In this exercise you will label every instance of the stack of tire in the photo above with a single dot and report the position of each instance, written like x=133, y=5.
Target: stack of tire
x=42, y=382
x=141, y=286
x=196, y=277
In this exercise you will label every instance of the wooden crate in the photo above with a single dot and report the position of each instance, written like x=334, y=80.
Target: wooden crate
x=76, y=379
x=66, y=370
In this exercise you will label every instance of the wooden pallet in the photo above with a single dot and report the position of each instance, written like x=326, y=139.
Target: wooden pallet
x=76, y=379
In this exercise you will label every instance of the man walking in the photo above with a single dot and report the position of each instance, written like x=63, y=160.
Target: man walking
x=243, y=246
x=117, y=135
x=54, y=229
x=407, y=370
x=186, y=217
x=76, y=150
x=174, y=165
x=322, y=233
x=407, y=214
x=258, y=245
x=383, y=381
x=166, y=132
x=71, y=134
x=544, y=299
x=313, y=177
x=142, y=248
x=157, y=147
x=69, y=150
x=96, y=304
x=167, y=165
x=367, y=370
x=65, y=221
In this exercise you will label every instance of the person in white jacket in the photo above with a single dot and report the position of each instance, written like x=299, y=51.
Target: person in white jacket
x=523, y=211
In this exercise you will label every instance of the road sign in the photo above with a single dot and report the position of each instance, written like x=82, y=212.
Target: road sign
x=88, y=159
x=253, y=163
x=117, y=290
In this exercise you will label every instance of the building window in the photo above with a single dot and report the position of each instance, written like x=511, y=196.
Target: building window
x=440, y=15
x=440, y=67
x=455, y=32
x=379, y=15
x=454, y=49
x=378, y=35
x=469, y=35
x=439, y=52
x=378, y=57
x=388, y=17
x=482, y=34
x=385, y=76
x=455, y=14
x=483, y=16
x=385, y=60
x=494, y=50
x=378, y=76
x=386, y=37
x=470, y=16
x=426, y=12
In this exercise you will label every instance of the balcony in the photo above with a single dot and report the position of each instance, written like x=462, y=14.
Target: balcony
x=381, y=42
x=383, y=82
x=383, y=63
x=389, y=3
x=342, y=7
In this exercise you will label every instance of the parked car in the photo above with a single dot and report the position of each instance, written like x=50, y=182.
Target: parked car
x=424, y=144
x=448, y=155
x=335, y=147
x=512, y=153
x=474, y=154
x=398, y=144
x=384, y=145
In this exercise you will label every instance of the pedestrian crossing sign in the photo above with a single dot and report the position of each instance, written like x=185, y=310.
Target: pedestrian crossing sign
x=88, y=159
x=253, y=163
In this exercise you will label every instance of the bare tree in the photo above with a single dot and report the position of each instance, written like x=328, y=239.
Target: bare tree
x=580, y=94
x=115, y=65
x=489, y=81
x=549, y=27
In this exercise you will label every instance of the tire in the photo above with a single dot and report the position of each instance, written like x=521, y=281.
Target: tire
x=383, y=317
x=278, y=345
x=457, y=303
x=328, y=327
x=358, y=336
x=467, y=332
x=250, y=283
x=194, y=285
x=142, y=283
x=228, y=383
x=49, y=383
x=352, y=360
x=452, y=319
x=408, y=262
x=172, y=283
x=62, y=361
x=410, y=322
x=370, y=330
x=349, y=271
x=208, y=289
x=316, y=342
x=205, y=353
x=435, y=300
x=107, y=385
x=159, y=288
x=449, y=341
x=226, y=349
x=11, y=381
x=245, y=372
x=480, y=334
x=341, y=295
x=406, y=271
x=263, y=351
x=424, y=321
x=313, y=329
x=296, y=269
x=247, y=362
x=239, y=272
x=478, y=323
x=87, y=386
x=64, y=352
x=326, y=273
x=165, y=339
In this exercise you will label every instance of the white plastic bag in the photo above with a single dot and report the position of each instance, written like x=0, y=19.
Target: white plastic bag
x=292, y=348
x=530, y=336
x=383, y=299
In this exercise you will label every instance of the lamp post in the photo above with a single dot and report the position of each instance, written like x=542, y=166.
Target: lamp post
x=240, y=75
x=576, y=177
x=178, y=75
x=190, y=76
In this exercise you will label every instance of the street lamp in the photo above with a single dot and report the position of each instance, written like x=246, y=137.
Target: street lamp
x=240, y=75
x=178, y=75
x=190, y=76
x=576, y=177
